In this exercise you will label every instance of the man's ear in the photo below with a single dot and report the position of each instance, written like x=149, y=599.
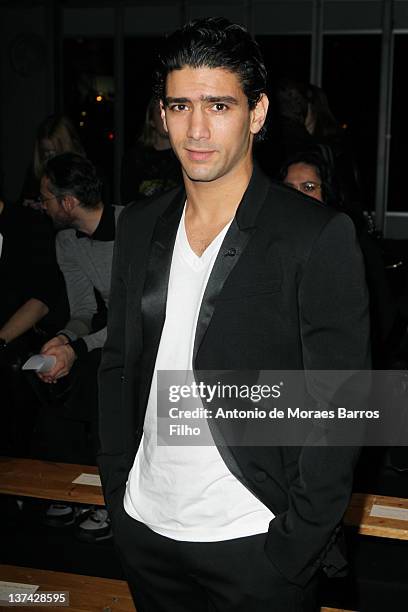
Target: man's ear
x=258, y=114
x=163, y=115
x=68, y=203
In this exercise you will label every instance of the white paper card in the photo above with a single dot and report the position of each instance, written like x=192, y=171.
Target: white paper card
x=40, y=363
x=11, y=588
x=88, y=479
x=391, y=512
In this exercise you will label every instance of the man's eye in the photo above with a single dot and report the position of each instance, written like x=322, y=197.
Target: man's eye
x=178, y=107
x=220, y=106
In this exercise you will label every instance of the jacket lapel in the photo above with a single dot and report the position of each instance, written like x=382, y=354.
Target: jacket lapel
x=154, y=296
x=241, y=229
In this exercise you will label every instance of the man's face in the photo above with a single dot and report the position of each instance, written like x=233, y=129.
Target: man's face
x=210, y=125
x=52, y=207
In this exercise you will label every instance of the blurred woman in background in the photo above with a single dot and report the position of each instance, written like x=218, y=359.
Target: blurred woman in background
x=55, y=135
x=313, y=173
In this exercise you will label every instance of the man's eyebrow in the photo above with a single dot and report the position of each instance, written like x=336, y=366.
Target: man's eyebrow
x=212, y=99
x=219, y=99
x=169, y=100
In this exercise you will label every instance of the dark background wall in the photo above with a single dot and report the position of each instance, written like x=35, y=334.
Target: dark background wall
x=60, y=55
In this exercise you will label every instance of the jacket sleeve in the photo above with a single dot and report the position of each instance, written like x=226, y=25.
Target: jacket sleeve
x=81, y=297
x=333, y=305
x=113, y=462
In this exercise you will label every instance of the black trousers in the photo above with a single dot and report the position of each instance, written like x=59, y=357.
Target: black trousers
x=166, y=575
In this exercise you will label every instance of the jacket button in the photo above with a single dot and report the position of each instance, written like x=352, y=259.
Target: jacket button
x=260, y=476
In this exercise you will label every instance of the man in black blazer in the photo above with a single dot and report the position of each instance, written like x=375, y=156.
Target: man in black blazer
x=230, y=273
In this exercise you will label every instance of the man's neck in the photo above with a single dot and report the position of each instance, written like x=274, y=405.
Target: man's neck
x=215, y=202
x=87, y=220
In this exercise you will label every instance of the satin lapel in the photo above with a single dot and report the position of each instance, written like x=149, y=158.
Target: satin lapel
x=155, y=287
x=232, y=248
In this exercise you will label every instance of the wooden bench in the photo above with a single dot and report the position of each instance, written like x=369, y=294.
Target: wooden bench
x=86, y=593
x=48, y=480
x=377, y=515
x=334, y=610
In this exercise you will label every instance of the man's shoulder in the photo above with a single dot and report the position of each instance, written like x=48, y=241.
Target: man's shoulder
x=65, y=237
x=281, y=205
x=295, y=222
x=298, y=214
x=287, y=204
x=149, y=209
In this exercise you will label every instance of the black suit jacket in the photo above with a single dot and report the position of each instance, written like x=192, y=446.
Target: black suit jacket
x=286, y=292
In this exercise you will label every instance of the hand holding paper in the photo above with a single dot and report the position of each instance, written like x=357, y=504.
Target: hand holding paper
x=40, y=363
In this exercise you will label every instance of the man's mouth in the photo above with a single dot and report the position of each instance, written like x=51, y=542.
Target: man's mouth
x=199, y=155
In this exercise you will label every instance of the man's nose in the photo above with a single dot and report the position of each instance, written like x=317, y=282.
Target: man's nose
x=198, y=125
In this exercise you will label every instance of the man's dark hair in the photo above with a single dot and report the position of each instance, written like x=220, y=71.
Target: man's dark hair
x=72, y=174
x=214, y=42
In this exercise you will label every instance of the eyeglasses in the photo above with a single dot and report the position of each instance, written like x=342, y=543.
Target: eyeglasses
x=308, y=187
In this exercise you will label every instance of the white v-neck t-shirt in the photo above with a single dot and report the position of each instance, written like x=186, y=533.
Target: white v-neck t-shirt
x=187, y=492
